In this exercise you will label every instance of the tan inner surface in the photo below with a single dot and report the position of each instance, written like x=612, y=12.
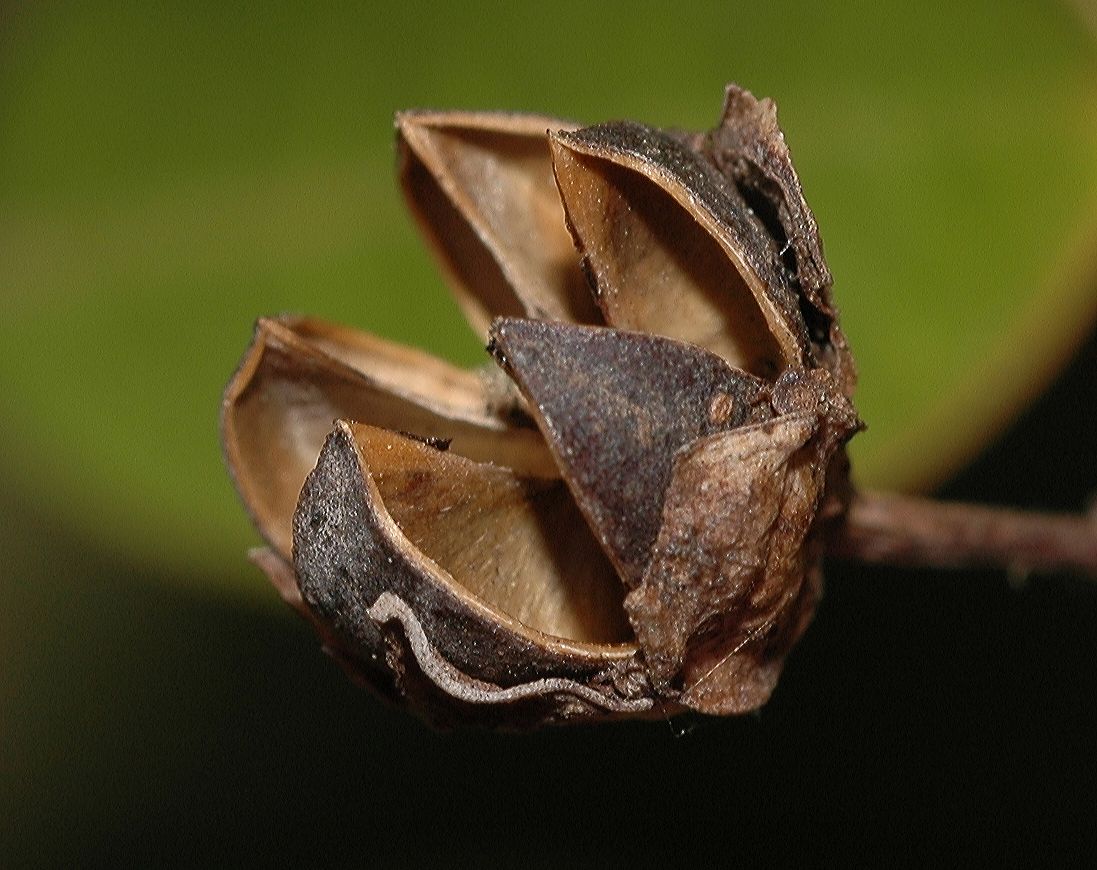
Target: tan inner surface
x=277, y=423
x=517, y=543
x=403, y=369
x=489, y=202
x=482, y=289
x=658, y=270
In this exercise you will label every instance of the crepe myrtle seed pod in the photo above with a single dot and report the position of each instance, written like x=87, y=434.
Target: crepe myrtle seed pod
x=629, y=521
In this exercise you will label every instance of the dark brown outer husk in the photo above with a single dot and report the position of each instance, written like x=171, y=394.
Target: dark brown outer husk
x=658, y=267
x=445, y=652
x=748, y=147
x=614, y=407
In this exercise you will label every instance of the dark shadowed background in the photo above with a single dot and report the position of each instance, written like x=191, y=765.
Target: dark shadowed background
x=167, y=175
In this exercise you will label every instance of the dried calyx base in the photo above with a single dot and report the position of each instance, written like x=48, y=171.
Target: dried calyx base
x=628, y=518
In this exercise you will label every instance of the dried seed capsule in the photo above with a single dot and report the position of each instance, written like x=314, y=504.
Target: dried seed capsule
x=635, y=529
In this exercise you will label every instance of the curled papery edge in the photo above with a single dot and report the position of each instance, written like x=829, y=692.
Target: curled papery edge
x=299, y=375
x=749, y=149
x=435, y=683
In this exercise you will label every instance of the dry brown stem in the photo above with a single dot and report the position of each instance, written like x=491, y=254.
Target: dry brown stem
x=906, y=530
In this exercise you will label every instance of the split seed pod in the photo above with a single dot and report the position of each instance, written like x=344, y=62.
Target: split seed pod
x=631, y=525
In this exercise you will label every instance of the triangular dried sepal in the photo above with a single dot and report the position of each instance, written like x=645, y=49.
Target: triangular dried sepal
x=481, y=187
x=614, y=407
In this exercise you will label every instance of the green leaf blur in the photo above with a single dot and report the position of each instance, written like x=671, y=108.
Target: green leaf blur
x=165, y=178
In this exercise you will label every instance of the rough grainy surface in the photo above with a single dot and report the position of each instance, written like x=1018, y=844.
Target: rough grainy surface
x=348, y=552
x=614, y=408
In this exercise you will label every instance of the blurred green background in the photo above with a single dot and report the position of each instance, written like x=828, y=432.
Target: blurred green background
x=168, y=172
